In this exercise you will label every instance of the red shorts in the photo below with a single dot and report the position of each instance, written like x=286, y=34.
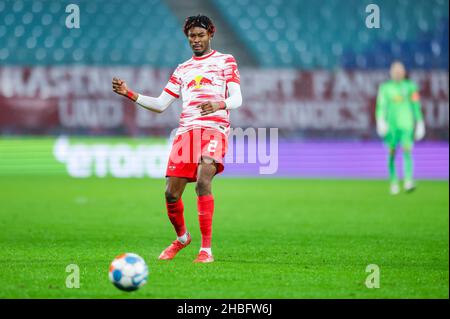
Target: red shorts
x=190, y=147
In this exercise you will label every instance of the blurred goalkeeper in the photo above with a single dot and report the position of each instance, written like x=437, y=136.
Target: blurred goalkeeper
x=399, y=121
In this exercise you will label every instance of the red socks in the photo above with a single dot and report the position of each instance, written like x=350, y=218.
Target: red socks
x=205, y=205
x=175, y=212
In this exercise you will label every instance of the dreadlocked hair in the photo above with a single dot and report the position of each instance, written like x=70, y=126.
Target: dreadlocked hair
x=199, y=21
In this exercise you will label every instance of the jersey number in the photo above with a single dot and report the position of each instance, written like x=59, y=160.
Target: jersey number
x=212, y=146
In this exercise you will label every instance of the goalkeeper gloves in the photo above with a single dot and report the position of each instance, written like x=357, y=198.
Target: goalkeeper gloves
x=382, y=127
x=420, y=131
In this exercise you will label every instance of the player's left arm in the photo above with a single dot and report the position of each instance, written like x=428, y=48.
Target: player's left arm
x=417, y=111
x=415, y=100
x=233, y=83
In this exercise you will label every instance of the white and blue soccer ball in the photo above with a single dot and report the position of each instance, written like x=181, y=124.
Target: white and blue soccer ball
x=128, y=272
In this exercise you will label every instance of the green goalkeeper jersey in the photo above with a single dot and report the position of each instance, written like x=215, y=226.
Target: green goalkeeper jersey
x=398, y=103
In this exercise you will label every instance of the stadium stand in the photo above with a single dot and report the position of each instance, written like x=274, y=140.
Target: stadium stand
x=302, y=34
x=278, y=33
x=110, y=33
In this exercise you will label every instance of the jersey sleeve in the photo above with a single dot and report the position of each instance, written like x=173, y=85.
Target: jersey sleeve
x=415, y=100
x=231, y=71
x=173, y=87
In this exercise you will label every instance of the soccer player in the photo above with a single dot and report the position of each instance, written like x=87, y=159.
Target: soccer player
x=209, y=84
x=399, y=121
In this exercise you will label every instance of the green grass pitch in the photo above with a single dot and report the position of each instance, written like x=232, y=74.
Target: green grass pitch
x=272, y=238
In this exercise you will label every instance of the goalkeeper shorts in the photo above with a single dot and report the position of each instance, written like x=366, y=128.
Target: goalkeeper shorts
x=404, y=137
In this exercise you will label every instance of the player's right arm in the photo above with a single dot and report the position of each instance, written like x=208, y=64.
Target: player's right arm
x=381, y=112
x=158, y=104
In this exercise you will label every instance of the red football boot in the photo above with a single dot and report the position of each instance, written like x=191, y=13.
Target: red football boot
x=204, y=257
x=171, y=251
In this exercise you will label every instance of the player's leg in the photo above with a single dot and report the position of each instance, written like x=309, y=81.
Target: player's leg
x=408, y=170
x=175, y=210
x=180, y=171
x=393, y=178
x=207, y=169
x=391, y=142
x=408, y=164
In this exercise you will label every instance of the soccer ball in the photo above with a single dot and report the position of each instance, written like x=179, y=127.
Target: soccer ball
x=128, y=272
